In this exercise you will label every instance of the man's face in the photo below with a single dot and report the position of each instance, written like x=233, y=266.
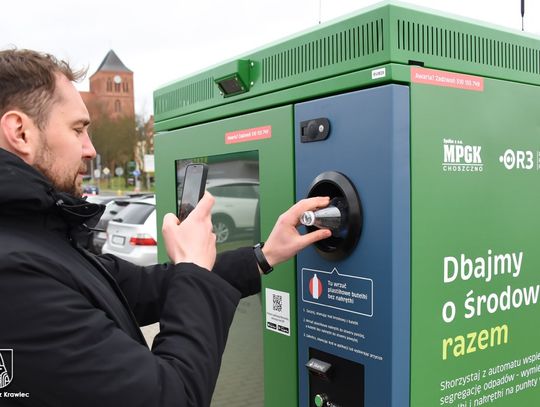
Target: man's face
x=65, y=146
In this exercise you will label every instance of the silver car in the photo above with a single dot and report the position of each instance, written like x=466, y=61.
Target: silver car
x=234, y=215
x=132, y=235
x=113, y=206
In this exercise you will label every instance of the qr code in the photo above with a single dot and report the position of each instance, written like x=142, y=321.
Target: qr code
x=277, y=302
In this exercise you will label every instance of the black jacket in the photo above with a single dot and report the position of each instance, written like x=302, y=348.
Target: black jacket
x=72, y=317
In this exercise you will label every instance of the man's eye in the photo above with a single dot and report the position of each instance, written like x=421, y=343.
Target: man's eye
x=79, y=130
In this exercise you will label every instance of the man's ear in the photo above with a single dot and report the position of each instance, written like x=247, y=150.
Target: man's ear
x=19, y=135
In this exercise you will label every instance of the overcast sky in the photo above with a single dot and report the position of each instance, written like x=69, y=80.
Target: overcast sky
x=162, y=40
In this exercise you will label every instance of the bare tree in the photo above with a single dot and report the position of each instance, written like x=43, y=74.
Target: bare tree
x=114, y=140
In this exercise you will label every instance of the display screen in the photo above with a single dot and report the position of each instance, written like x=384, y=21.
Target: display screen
x=233, y=180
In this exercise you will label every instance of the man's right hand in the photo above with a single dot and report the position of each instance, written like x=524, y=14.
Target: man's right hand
x=192, y=241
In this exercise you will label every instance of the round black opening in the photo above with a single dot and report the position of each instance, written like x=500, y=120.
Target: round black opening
x=337, y=185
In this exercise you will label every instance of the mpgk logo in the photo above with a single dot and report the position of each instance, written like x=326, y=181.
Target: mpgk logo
x=459, y=157
x=6, y=367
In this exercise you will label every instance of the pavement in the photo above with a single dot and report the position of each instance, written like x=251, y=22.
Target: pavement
x=240, y=382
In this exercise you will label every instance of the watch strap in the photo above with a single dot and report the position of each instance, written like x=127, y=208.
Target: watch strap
x=261, y=259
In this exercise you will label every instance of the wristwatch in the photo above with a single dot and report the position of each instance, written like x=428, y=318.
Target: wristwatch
x=261, y=259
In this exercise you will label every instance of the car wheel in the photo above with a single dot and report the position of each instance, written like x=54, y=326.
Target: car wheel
x=223, y=229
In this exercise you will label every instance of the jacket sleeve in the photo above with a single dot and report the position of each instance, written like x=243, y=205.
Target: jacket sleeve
x=67, y=352
x=239, y=268
x=144, y=287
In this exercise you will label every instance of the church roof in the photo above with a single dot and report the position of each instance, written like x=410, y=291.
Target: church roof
x=111, y=62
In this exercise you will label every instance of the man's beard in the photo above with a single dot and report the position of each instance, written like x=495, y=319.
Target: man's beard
x=61, y=181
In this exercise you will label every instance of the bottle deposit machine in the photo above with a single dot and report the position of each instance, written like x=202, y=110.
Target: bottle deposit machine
x=424, y=130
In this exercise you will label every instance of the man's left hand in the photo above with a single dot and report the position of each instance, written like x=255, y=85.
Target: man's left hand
x=285, y=240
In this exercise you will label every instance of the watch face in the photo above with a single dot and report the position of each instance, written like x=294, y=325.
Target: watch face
x=117, y=79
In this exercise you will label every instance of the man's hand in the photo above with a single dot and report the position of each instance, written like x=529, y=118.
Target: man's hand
x=192, y=241
x=285, y=240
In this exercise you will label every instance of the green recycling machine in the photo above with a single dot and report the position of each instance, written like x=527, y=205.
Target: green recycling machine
x=426, y=129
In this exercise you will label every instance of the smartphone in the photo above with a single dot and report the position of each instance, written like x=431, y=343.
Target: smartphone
x=193, y=189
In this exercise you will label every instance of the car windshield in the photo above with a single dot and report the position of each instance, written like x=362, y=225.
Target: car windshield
x=114, y=209
x=135, y=213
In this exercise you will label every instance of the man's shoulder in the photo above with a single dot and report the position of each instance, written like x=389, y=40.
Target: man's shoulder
x=39, y=252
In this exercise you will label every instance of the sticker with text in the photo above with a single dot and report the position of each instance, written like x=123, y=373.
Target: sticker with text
x=446, y=79
x=242, y=136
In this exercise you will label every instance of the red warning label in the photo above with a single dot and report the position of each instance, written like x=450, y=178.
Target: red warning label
x=242, y=136
x=446, y=79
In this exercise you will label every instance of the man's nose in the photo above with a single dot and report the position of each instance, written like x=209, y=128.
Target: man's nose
x=89, y=151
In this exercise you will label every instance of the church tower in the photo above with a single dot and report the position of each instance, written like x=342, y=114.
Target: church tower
x=111, y=89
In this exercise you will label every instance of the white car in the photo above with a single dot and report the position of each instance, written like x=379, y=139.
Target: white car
x=235, y=210
x=132, y=235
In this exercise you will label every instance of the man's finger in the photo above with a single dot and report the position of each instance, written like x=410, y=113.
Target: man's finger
x=315, y=236
x=311, y=203
x=204, y=207
x=170, y=219
x=308, y=204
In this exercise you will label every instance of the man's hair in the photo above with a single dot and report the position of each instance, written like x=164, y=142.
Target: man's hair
x=28, y=82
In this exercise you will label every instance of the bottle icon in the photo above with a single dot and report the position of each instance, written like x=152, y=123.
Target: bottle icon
x=333, y=217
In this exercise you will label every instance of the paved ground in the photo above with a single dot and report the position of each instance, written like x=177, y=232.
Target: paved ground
x=240, y=382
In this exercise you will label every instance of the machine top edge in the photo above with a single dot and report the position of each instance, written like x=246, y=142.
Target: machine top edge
x=390, y=32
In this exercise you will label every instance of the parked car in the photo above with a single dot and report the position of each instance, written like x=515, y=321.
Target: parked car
x=90, y=190
x=114, y=204
x=234, y=212
x=101, y=199
x=112, y=210
x=88, y=241
x=132, y=234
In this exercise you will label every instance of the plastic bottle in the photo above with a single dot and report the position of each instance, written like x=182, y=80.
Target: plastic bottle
x=333, y=217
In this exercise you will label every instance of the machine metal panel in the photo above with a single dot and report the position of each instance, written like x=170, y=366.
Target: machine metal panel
x=443, y=148
x=369, y=143
x=268, y=136
x=389, y=32
x=475, y=258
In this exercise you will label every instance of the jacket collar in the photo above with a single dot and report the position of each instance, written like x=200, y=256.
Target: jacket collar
x=25, y=191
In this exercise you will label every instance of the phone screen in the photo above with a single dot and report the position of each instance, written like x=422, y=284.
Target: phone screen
x=193, y=189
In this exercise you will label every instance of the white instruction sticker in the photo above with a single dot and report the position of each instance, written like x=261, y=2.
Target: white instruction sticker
x=378, y=73
x=278, y=311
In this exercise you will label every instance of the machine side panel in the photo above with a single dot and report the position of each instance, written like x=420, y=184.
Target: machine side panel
x=475, y=258
x=268, y=135
x=355, y=312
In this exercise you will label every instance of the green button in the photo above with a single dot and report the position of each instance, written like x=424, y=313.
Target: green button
x=319, y=400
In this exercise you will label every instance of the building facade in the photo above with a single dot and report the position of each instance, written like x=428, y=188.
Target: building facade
x=111, y=90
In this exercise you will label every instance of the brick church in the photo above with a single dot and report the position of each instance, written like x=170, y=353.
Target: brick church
x=111, y=89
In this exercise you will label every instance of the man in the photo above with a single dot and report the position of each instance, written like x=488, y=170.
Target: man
x=72, y=318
